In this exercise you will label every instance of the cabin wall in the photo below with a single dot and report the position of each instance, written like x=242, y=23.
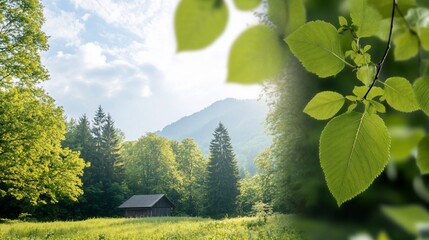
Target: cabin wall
x=148, y=212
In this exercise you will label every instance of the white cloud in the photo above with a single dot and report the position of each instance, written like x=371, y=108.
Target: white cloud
x=146, y=92
x=92, y=55
x=128, y=14
x=88, y=69
x=85, y=17
x=63, y=25
x=128, y=63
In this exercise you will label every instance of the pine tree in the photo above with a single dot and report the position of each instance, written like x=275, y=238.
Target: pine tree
x=110, y=146
x=97, y=129
x=99, y=145
x=108, y=191
x=222, y=181
x=84, y=138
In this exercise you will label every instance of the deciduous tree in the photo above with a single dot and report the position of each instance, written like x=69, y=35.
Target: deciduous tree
x=150, y=167
x=192, y=165
x=21, y=40
x=34, y=166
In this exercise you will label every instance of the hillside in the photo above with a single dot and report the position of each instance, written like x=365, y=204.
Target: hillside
x=244, y=120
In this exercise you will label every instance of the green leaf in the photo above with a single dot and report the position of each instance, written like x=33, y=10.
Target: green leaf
x=424, y=36
x=384, y=31
x=367, y=48
x=351, y=107
x=287, y=15
x=343, y=21
x=421, y=88
x=378, y=106
x=369, y=108
x=406, y=46
x=366, y=74
x=404, y=141
x=198, y=23
x=400, y=95
x=324, y=105
x=423, y=156
x=257, y=54
x=317, y=45
x=247, y=4
x=354, y=149
x=351, y=98
x=407, y=217
x=365, y=17
x=361, y=91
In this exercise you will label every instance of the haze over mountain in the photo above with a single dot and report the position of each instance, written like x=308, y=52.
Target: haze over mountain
x=244, y=120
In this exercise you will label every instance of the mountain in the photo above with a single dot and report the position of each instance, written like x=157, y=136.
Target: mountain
x=244, y=120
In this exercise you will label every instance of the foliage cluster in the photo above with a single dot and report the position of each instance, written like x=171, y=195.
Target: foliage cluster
x=34, y=167
x=356, y=146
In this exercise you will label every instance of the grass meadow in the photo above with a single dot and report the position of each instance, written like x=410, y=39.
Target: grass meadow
x=276, y=227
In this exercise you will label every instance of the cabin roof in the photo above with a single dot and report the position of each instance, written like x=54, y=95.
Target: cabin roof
x=142, y=201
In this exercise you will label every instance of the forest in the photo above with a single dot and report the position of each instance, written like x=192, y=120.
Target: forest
x=349, y=110
x=115, y=170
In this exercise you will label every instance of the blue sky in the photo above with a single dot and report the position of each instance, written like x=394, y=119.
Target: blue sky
x=121, y=54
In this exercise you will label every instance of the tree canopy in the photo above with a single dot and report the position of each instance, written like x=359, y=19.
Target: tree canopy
x=21, y=40
x=35, y=168
x=151, y=167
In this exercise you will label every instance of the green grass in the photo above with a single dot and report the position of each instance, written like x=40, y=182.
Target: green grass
x=277, y=227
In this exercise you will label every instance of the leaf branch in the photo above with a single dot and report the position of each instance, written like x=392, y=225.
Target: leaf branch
x=386, y=52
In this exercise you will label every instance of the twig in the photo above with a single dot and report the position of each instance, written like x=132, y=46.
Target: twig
x=389, y=42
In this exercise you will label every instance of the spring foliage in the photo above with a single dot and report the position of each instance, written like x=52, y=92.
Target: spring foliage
x=33, y=165
x=355, y=146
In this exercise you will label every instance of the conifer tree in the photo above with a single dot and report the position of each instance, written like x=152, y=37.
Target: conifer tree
x=222, y=186
x=99, y=145
x=110, y=145
x=79, y=138
x=97, y=130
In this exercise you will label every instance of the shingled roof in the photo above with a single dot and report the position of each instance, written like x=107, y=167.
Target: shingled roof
x=142, y=201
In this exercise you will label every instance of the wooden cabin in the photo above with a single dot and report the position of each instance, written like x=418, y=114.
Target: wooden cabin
x=156, y=205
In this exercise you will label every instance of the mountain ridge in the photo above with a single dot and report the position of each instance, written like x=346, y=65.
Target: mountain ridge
x=238, y=116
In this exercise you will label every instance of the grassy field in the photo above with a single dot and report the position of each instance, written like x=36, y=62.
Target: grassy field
x=276, y=227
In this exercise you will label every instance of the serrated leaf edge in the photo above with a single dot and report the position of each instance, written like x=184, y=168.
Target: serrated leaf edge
x=339, y=203
x=416, y=107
